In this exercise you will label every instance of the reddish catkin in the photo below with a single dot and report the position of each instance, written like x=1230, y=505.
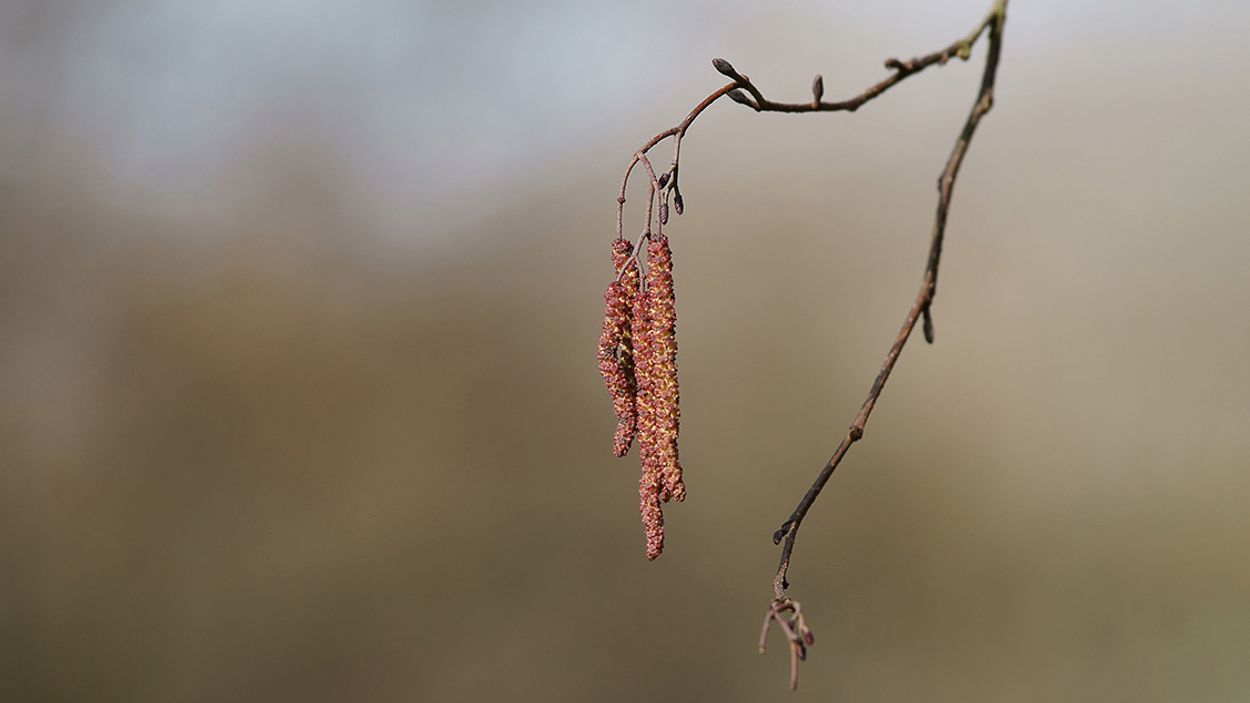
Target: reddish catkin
x=627, y=406
x=651, y=479
x=616, y=363
x=652, y=514
x=664, y=408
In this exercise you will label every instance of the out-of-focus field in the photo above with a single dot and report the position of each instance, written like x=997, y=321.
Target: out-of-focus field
x=298, y=398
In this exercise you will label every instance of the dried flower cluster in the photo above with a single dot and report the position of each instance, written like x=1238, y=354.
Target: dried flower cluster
x=638, y=362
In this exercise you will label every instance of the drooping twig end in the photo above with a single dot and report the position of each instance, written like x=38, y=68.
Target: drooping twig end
x=788, y=615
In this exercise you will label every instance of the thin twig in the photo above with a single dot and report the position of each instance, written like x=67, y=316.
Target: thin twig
x=901, y=70
x=924, y=299
x=920, y=308
x=678, y=131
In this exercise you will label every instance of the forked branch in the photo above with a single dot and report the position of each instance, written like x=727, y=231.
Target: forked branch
x=784, y=611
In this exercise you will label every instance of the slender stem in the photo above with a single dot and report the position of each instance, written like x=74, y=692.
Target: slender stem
x=654, y=187
x=679, y=131
x=901, y=70
x=924, y=299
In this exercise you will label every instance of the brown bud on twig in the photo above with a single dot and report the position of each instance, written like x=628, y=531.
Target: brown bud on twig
x=780, y=533
x=616, y=358
x=740, y=97
x=663, y=180
x=726, y=68
x=928, y=326
x=678, y=204
x=818, y=89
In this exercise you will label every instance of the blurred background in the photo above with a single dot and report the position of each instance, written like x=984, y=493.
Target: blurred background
x=298, y=310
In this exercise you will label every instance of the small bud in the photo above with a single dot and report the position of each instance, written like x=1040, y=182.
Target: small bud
x=964, y=51
x=725, y=68
x=809, y=638
x=818, y=88
x=781, y=533
x=664, y=178
x=740, y=97
x=678, y=204
x=663, y=213
x=928, y=326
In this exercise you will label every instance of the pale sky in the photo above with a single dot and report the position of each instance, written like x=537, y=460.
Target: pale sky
x=431, y=106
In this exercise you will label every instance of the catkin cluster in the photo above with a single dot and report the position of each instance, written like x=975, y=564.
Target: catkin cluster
x=638, y=362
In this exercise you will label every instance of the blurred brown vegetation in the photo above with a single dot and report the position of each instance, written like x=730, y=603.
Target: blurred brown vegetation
x=272, y=431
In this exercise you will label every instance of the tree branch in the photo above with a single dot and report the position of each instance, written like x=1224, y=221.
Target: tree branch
x=783, y=610
x=924, y=299
x=789, y=530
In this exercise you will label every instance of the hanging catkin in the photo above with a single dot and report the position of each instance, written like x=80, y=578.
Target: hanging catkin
x=638, y=362
x=662, y=358
x=651, y=479
x=616, y=358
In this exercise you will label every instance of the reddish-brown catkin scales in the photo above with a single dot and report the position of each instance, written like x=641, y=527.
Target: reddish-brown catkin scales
x=652, y=515
x=638, y=361
x=616, y=358
x=651, y=480
x=661, y=355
